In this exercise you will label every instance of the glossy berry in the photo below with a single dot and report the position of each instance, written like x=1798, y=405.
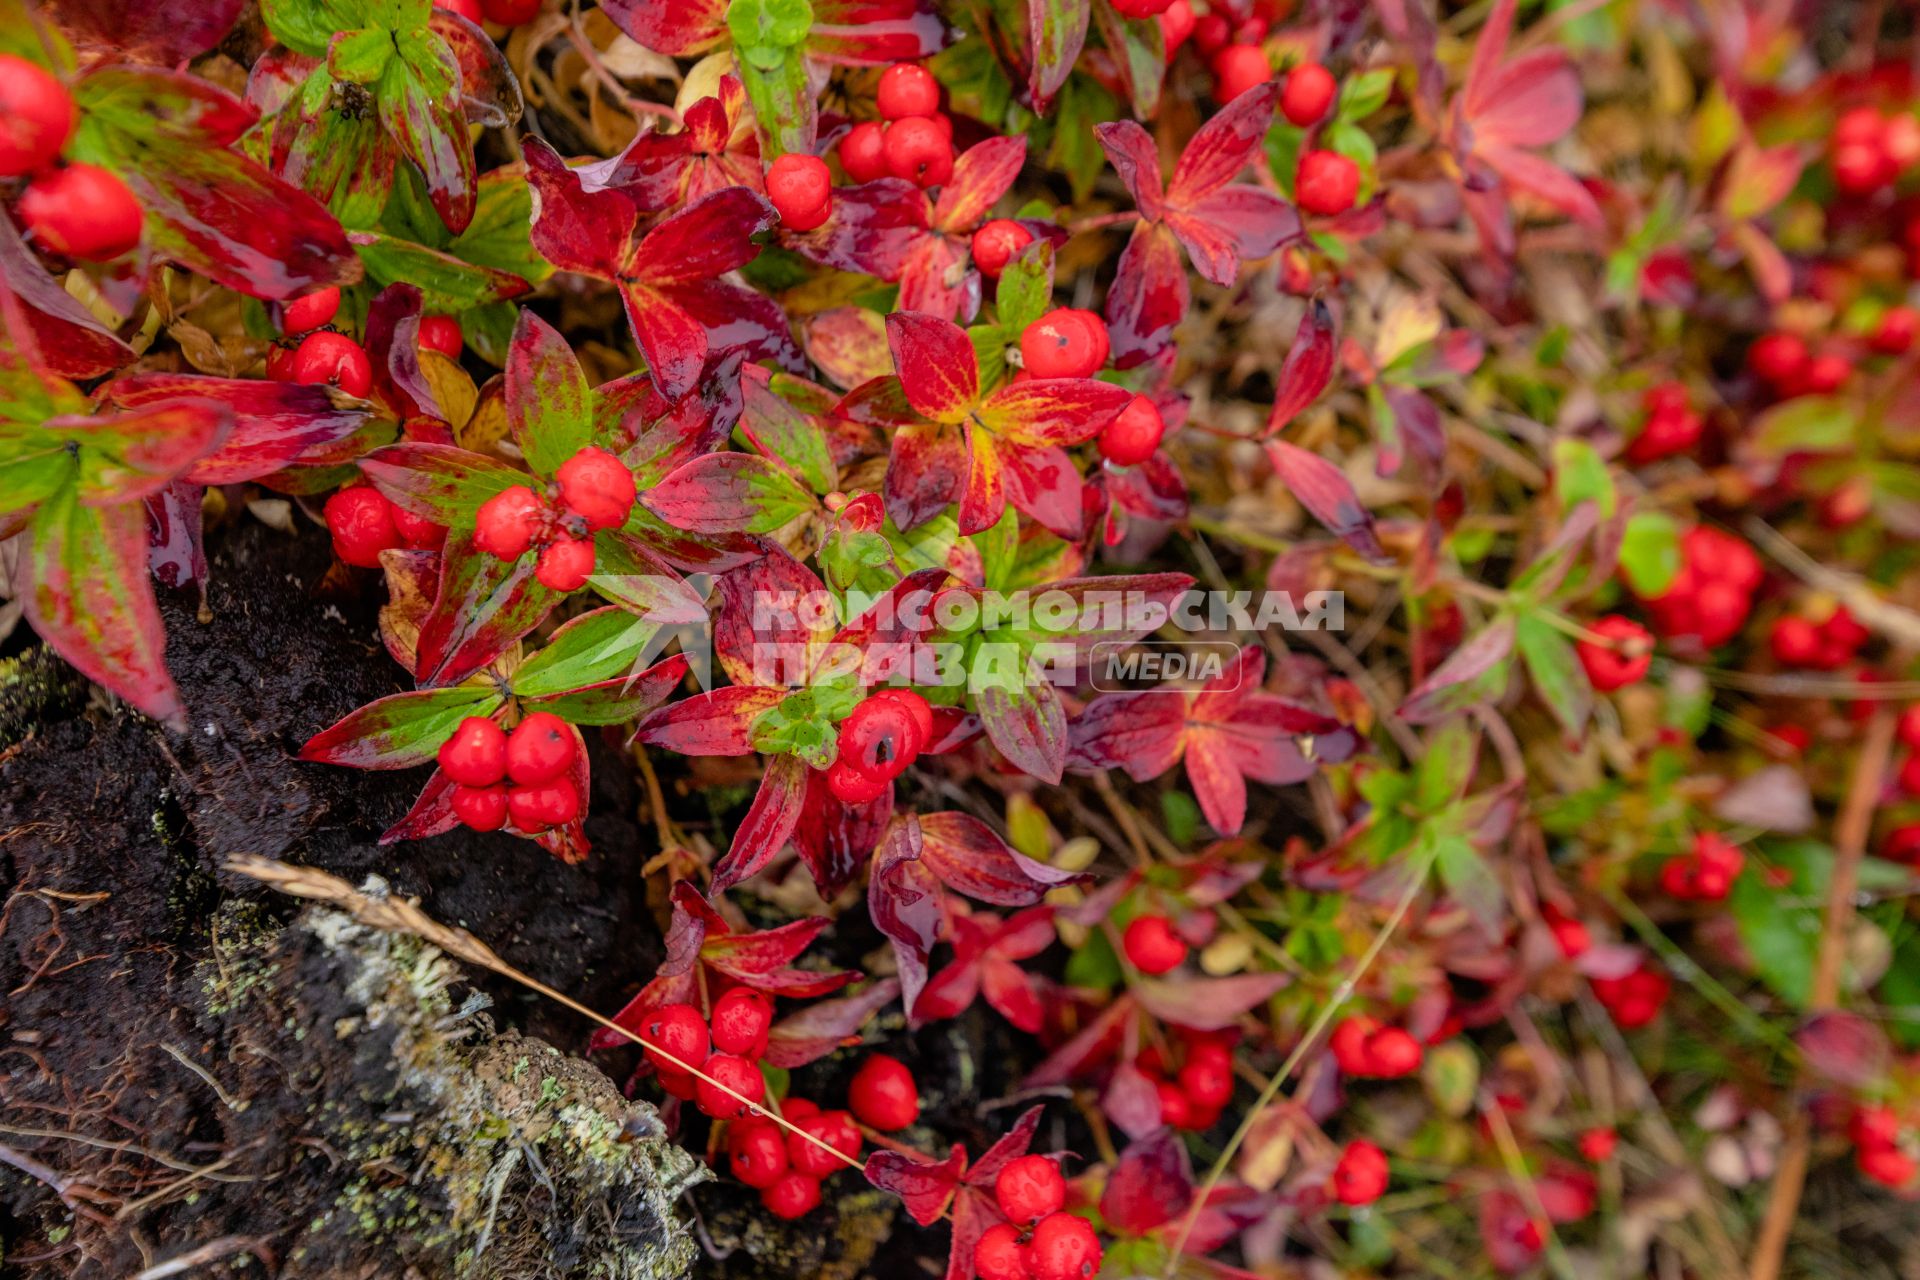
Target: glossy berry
x=1795, y=641
x=475, y=753
x=1064, y=1247
x=1827, y=372
x=418, y=531
x=1777, y=358
x=794, y=1196
x=1140, y=8
x=565, y=564
x=863, y=152
x=333, y=358
x=310, y=310
x=480, y=808
x=1152, y=946
x=837, y=1130
x=543, y=805
x=998, y=1253
x=882, y=1094
x=1634, y=999
x=1362, y=1173
x=1207, y=1075
x=1327, y=183
x=881, y=737
x=741, y=1019
x=1623, y=660
x=468, y=9
x=596, y=486
x=919, y=151
x=507, y=523
x=1211, y=31
x=1030, y=1188
x=540, y=748
x=850, y=785
x=510, y=13
x=1134, y=434
x=1176, y=1110
x=1064, y=343
x=1393, y=1053
x=1238, y=69
x=36, y=117
x=917, y=711
x=907, y=89
x=737, y=1074
x=442, y=334
x=801, y=191
x=757, y=1153
x=1176, y=24
x=82, y=211
x=998, y=243
x=1888, y=1166
x=1598, y=1144
x=674, y=1031
x=1896, y=331
x=1308, y=93
x=361, y=522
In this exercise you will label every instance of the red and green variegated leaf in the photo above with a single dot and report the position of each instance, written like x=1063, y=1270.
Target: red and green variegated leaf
x=1308, y=368
x=400, y=731
x=1056, y=30
x=439, y=482
x=576, y=228
x=983, y=497
x=1556, y=671
x=630, y=572
x=1223, y=146
x=69, y=341
x=775, y=600
x=680, y=29
x=420, y=106
x=1149, y=294
x=874, y=32
x=484, y=606
x=162, y=105
x=89, y=595
x=617, y=701
x=275, y=423
x=1023, y=719
x=1053, y=411
x=872, y=229
x=938, y=279
x=848, y=344
x=490, y=94
x=971, y=858
x=936, y=365
x=785, y=434
x=982, y=174
x=729, y=493
x=1473, y=673
x=716, y=723
x=926, y=472
x=1131, y=152
x=591, y=648
x=454, y=284
x=1322, y=489
x=128, y=455
x=784, y=105
x=165, y=32
x=769, y=822
x=820, y=1028
x=548, y=403
x=1139, y=46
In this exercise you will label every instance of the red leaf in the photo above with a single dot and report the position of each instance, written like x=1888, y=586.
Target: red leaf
x=679, y=29
x=938, y=277
x=1131, y=1101
x=820, y=1028
x=1050, y=411
x=164, y=32
x=1131, y=152
x=1056, y=30
x=1007, y=1148
x=708, y=238
x=484, y=607
x=1148, y=296
x=1233, y=224
x=834, y=838
x=767, y=602
x=874, y=32
x=575, y=227
x=1207, y=1004
x=432, y=813
x=966, y=853
x=981, y=175
x=872, y=230
x=1151, y=1183
x=936, y=365
x=924, y=1186
x=1142, y=732
x=928, y=466
x=716, y=723
x=1027, y=724
x=903, y=899
x=769, y=821
x=70, y=342
x=1308, y=368
x=1323, y=490
x=274, y=422
x=1223, y=146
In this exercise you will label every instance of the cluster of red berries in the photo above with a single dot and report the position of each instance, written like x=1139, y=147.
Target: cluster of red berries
x=1192, y=1095
x=1672, y=425
x=506, y=13
x=1633, y=999
x=592, y=490
x=1361, y=1174
x=1039, y=1240
x=1711, y=595
x=1619, y=657
x=1799, y=641
x=1362, y=1046
x=481, y=758
x=1706, y=872
x=1882, y=1146
x=913, y=139
x=324, y=356
x=76, y=210
x=1871, y=151
x=1070, y=343
x=364, y=523
x=1783, y=361
x=877, y=741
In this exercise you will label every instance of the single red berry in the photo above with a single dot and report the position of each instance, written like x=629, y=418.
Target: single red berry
x=1349, y=1043
x=1362, y=1173
x=480, y=808
x=1907, y=728
x=1308, y=93
x=998, y=243
x=1176, y=24
x=1827, y=373
x=837, y=1130
x=1861, y=170
x=1029, y=1188
x=1598, y=1144
x=674, y=1031
x=741, y=1019
x=880, y=738
x=418, y=532
x=540, y=805
x=36, y=116
x=507, y=523
x=918, y=713
x=333, y=357
x=1238, y=69
x=1909, y=776
x=1393, y=1053
x=1896, y=331
x=540, y=748
x=801, y=191
x=1061, y=344
x=998, y=1253
x=1176, y=1109
x=81, y=211
x=919, y=152
x=310, y=310
x=468, y=9
x=361, y=522
x=1858, y=127
x=1888, y=1166
x=1207, y=1077
x=883, y=1094
x=565, y=564
x=475, y=753
x=1132, y=436
x=1327, y=183
x=1152, y=946
x=1903, y=844
x=757, y=1153
x=794, y=1110
x=737, y=1074
x=794, y=1196
x=1571, y=936
x=596, y=486
x=1777, y=358
x=1211, y=31
x=1875, y=1126
x=1064, y=1247
x=851, y=786
x=510, y=13
x=1621, y=662
x=863, y=152
x=1141, y=8
x=907, y=89
x=1795, y=641
x=442, y=334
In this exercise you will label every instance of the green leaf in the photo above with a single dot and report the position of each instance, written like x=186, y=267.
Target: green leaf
x=1442, y=775
x=593, y=647
x=1025, y=292
x=1899, y=992
x=402, y=730
x=1812, y=424
x=1650, y=552
x=998, y=546
x=1364, y=94
x=308, y=26
x=783, y=104
x=27, y=479
x=1556, y=671
x=359, y=57
x=1094, y=967
x=549, y=405
x=1580, y=475
x=797, y=726
x=780, y=23
x=789, y=436
x=1074, y=150
x=1468, y=878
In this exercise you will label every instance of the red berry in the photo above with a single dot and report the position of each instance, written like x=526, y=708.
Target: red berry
x=1308, y=93
x=36, y=116
x=1207, y=1076
x=1176, y=24
x=510, y=13
x=674, y=1031
x=1238, y=69
x=1795, y=641
x=1858, y=126
x=1132, y=437
x=507, y=523
x=333, y=357
x=1140, y=8
x=801, y=190
x=1622, y=662
x=1903, y=844
x=565, y=564
x=540, y=748
x=543, y=804
x=1211, y=33
x=1152, y=946
x=850, y=785
x=442, y=334
x=1908, y=727
x=741, y=1019
x=82, y=211
x=310, y=310
x=1064, y=1247
x=418, y=531
x=468, y=9
x=475, y=753
x=1029, y=1188
x=1827, y=373
x=998, y=243
x=361, y=522
x=1327, y=183
x=1063, y=344
x=596, y=486
x=880, y=738
x=1888, y=1166
x=1571, y=936
x=1777, y=358
x=883, y=1094
x=998, y=1253
x=735, y=1073
x=837, y=1130
x=1896, y=330
x=1393, y=1053
x=1176, y=1109
x=794, y=1196
x=1361, y=1175
x=480, y=808
x=1860, y=170
x=1875, y=1126
x=757, y=1153
x=1909, y=776
x=863, y=152
x=919, y=152
x=794, y=1110
x=907, y=89
x=1598, y=1144
x=917, y=711
x=1349, y=1044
